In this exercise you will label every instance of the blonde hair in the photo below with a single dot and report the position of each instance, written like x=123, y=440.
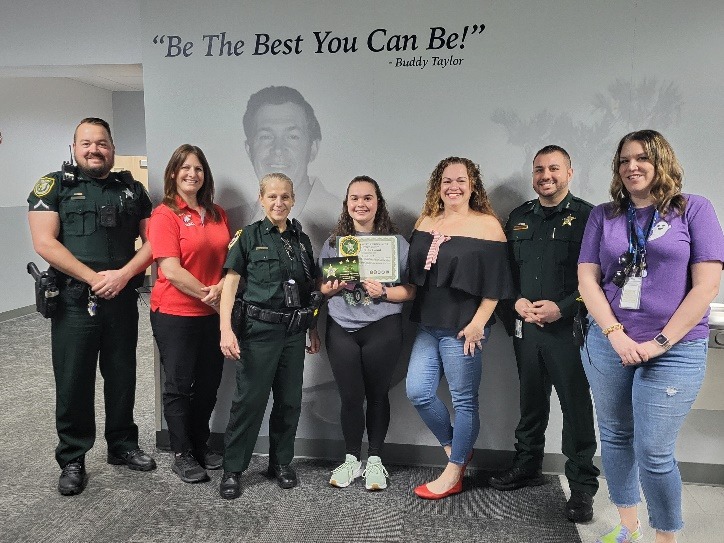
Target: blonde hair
x=264, y=181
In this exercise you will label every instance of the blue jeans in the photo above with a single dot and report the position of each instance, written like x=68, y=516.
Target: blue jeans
x=640, y=410
x=437, y=352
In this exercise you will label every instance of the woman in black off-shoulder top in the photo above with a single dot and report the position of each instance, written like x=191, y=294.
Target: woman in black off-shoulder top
x=458, y=260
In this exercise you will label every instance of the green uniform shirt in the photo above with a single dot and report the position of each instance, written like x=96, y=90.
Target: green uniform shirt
x=86, y=209
x=544, y=251
x=258, y=254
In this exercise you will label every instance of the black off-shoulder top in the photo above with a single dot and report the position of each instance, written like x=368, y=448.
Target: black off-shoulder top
x=467, y=270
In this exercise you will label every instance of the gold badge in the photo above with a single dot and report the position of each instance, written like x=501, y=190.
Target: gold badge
x=43, y=186
x=235, y=238
x=349, y=246
x=568, y=221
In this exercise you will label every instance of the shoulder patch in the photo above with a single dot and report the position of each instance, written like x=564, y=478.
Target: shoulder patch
x=43, y=186
x=235, y=238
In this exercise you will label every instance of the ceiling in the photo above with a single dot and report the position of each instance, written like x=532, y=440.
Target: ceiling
x=112, y=77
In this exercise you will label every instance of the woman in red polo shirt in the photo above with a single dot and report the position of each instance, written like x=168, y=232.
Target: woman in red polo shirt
x=189, y=235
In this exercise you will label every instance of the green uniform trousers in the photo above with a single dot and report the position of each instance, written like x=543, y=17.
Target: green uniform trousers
x=80, y=343
x=548, y=357
x=272, y=361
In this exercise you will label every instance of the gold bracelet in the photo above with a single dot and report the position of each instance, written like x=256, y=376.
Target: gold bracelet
x=612, y=328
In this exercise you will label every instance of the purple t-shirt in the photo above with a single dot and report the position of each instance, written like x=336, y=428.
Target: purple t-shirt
x=676, y=242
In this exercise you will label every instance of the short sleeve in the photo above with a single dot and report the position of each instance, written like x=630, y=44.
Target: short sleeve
x=325, y=252
x=45, y=194
x=163, y=233
x=144, y=201
x=705, y=232
x=237, y=256
x=485, y=273
x=591, y=243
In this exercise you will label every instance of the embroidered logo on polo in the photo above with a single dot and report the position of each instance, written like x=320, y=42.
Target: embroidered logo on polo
x=43, y=186
x=188, y=221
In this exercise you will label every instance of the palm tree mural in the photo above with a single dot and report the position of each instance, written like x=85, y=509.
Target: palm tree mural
x=624, y=107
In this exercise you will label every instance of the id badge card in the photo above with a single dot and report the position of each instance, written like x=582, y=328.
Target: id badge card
x=631, y=293
x=519, y=328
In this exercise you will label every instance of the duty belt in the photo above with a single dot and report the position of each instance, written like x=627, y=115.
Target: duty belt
x=266, y=315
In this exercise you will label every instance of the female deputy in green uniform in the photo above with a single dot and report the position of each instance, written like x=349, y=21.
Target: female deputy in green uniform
x=274, y=258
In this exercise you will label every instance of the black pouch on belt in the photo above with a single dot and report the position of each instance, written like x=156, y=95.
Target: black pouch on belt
x=46, y=290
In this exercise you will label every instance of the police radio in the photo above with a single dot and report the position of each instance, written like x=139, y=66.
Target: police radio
x=69, y=171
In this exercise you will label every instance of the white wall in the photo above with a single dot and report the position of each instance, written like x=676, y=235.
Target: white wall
x=69, y=32
x=129, y=128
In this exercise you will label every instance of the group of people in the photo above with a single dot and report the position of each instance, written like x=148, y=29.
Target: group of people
x=646, y=266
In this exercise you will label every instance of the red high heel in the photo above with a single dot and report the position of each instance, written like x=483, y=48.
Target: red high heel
x=423, y=492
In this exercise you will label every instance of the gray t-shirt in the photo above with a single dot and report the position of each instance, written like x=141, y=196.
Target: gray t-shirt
x=352, y=315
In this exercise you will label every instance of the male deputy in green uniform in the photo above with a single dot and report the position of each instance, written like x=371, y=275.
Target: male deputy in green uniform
x=544, y=239
x=85, y=227
x=274, y=259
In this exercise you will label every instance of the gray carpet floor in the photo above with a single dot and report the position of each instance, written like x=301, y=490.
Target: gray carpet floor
x=124, y=506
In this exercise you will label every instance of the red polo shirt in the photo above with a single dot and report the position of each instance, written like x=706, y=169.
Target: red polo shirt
x=200, y=245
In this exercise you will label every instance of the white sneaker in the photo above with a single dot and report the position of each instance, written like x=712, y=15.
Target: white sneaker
x=375, y=474
x=343, y=475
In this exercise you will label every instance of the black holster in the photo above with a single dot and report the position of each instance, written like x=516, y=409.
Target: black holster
x=237, y=316
x=580, y=325
x=46, y=290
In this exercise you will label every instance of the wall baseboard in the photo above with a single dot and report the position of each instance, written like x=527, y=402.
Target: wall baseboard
x=15, y=313
x=427, y=455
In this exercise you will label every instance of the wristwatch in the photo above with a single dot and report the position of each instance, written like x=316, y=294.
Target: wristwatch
x=662, y=341
x=383, y=296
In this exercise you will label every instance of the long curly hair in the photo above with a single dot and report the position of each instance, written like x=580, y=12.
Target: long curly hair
x=205, y=196
x=383, y=225
x=479, y=200
x=668, y=174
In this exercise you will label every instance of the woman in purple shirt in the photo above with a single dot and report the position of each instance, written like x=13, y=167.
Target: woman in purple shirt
x=649, y=267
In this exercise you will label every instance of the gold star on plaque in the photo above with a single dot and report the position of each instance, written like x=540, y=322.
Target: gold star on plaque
x=330, y=271
x=568, y=221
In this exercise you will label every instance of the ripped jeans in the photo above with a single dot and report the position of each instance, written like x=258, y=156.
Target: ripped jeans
x=640, y=410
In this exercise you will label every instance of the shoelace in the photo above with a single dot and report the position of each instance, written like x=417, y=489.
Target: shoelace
x=378, y=467
x=73, y=467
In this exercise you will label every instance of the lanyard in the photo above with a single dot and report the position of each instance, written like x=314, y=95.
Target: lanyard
x=287, y=250
x=637, y=238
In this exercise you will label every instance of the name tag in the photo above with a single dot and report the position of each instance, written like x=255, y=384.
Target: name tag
x=261, y=248
x=631, y=293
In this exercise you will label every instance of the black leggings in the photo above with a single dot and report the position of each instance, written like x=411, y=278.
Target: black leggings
x=363, y=363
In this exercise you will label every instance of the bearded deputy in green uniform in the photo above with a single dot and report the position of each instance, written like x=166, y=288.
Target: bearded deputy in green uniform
x=544, y=239
x=274, y=259
x=84, y=224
